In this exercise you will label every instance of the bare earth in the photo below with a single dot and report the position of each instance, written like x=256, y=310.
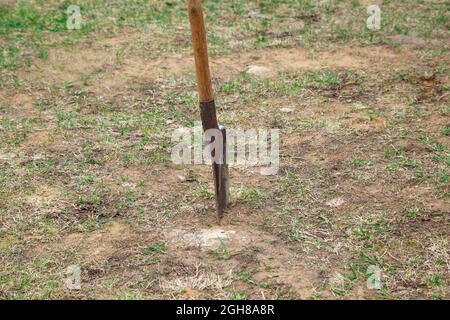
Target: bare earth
x=87, y=178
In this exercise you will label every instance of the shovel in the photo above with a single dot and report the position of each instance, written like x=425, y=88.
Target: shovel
x=207, y=105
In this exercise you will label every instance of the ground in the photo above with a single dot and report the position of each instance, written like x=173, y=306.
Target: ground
x=86, y=178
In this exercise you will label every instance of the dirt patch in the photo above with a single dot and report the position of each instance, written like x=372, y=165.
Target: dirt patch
x=22, y=105
x=36, y=139
x=237, y=242
x=99, y=245
x=362, y=178
x=45, y=197
x=65, y=65
x=413, y=41
x=155, y=179
x=7, y=3
x=365, y=124
x=292, y=59
x=109, y=76
x=194, y=285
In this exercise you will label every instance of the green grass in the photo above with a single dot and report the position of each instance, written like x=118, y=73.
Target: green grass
x=252, y=196
x=157, y=247
x=32, y=28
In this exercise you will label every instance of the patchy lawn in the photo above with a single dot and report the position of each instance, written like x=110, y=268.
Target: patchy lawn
x=86, y=179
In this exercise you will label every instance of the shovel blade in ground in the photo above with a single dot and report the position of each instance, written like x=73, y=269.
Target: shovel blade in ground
x=207, y=105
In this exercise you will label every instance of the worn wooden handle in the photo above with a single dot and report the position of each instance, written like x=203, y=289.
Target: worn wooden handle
x=200, y=50
x=207, y=105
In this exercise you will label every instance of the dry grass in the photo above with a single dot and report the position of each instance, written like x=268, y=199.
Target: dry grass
x=86, y=179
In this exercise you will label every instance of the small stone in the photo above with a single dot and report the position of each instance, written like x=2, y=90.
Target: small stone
x=258, y=71
x=286, y=110
x=181, y=178
x=336, y=202
x=6, y=156
x=128, y=185
x=208, y=239
x=37, y=156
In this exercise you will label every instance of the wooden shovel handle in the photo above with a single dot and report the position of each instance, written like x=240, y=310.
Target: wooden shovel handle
x=207, y=105
x=200, y=50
